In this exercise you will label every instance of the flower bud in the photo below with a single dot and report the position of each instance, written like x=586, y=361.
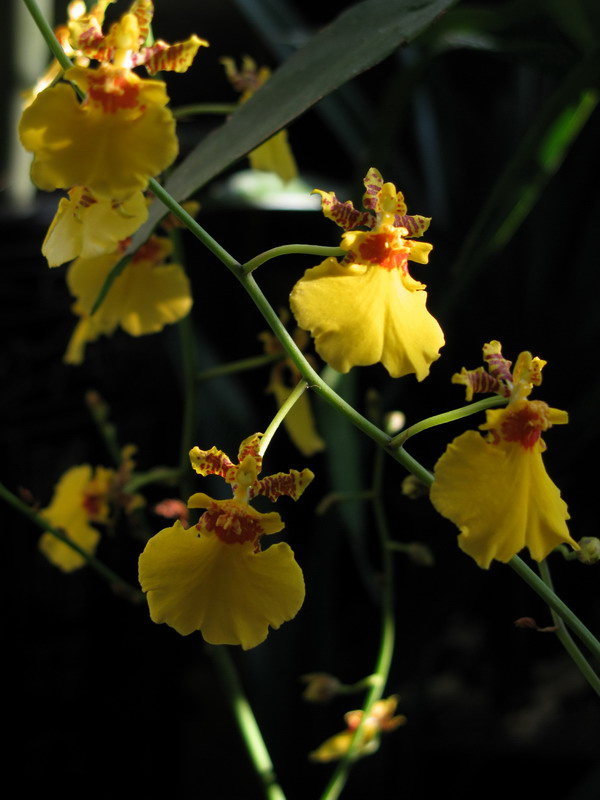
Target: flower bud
x=590, y=550
x=320, y=687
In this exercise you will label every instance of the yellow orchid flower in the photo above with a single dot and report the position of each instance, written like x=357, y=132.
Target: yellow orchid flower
x=85, y=226
x=367, y=308
x=496, y=489
x=380, y=720
x=146, y=296
x=214, y=577
x=121, y=135
x=80, y=498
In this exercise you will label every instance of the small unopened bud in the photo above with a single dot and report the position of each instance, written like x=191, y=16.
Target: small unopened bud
x=420, y=554
x=172, y=508
x=413, y=488
x=590, y=550
x=321, y=687
x=393, y=422
x=529, y=622
x=526, y=622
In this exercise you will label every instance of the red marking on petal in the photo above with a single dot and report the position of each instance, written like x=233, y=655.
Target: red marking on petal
x=231, y=524
x=113, y=91
x=214, y=463
x=525, y=424
x=482, y=382
x=291, y=483
x=87, y=199
x=382, y=249
x=92, y=504
x=498, y=365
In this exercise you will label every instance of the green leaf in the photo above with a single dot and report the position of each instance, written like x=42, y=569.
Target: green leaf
x=359, y=38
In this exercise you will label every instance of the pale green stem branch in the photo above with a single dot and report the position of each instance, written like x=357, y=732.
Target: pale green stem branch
x=251, y=735
x=565, y=637
x=342, y=497
x=48, y=34
x=447, y=416
x=290, y=249
x=283, y=411
x=166, y=475
x=115, y=580
x=203, y=108
x=239, y=366
x=190, y=223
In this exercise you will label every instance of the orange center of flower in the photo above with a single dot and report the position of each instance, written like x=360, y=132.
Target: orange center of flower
x=231, y=525
x=382, y=249
x=112, y=91
x=525, y=424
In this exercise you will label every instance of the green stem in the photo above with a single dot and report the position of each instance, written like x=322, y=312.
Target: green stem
x=48, y=34
x=447, y=416
x=379, y=678
x=204, y=108
x=190, y=223
x=557, y=605
x=255, y=744
x=289, y=249
x=115, y=580
x=283, y=411
x=565, y=637
x=239, y=366
x=168, y=475
x=341, y=497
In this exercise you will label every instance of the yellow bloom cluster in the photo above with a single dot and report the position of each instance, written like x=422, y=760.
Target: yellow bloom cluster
x=214, y=577
x=104, y=149
x=367, y=308
x=496, y=489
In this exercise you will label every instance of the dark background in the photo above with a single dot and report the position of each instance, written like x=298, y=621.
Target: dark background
x=103, y=701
